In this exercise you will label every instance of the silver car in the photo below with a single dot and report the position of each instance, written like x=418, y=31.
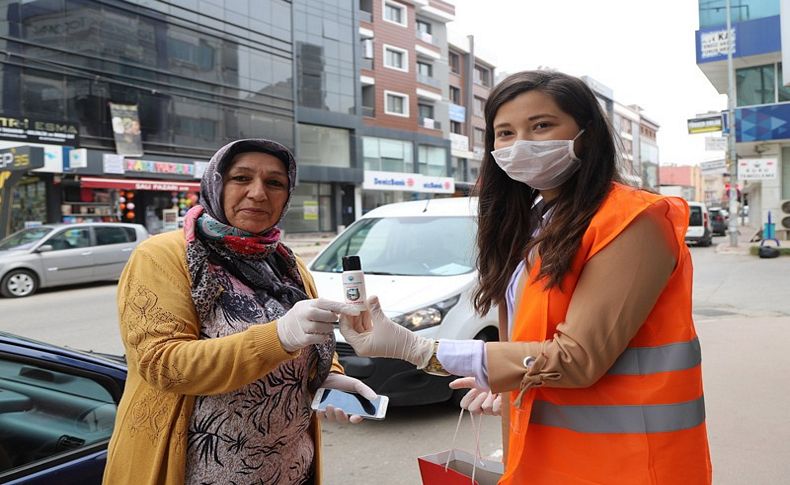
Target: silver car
x=64, y=254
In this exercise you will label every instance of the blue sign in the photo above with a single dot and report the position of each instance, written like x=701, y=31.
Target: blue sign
x=762, y=123
x=752, y=37
x=457, y=113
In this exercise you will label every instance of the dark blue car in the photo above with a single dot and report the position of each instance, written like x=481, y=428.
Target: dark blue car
x=57, y=409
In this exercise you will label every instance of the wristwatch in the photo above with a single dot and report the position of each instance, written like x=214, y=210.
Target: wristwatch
x=434, y=367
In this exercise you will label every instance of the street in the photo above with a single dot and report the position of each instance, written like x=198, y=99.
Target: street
x=742, y=316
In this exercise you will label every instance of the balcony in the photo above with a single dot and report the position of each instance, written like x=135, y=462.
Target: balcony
x=369, y=111
x=365, y=16
x=367, y=63
x=431, y=124
x=424, y=79
x=425, y=37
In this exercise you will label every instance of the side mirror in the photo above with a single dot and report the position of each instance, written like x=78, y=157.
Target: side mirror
x=44, y=248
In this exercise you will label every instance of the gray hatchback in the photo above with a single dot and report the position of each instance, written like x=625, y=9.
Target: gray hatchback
x=64, y=254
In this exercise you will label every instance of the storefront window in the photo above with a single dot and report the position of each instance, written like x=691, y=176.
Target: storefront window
x=432, y=160
x=310, y=209
x=29, y=203
x=388, y=155
x=755, y=85
x=320, y=145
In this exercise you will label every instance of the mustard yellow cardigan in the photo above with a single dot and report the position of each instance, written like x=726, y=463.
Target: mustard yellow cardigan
x=169, y=365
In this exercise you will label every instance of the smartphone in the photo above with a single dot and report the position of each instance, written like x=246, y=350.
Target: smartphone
x=351, y=403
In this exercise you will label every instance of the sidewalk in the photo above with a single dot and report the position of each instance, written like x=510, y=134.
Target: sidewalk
x=307, y=245
x=745, y=235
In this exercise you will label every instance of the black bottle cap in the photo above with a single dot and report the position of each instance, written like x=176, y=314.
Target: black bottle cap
x=352, y=263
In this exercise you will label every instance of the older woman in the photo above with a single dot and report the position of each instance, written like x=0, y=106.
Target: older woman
x=225, y=344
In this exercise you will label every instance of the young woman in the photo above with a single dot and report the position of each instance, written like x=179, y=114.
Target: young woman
x=593, y=281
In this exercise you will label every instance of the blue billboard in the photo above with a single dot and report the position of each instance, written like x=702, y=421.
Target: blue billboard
x=762, y=123
x=752, y=37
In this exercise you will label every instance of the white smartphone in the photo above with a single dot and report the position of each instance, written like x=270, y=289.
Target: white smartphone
x=351, y=403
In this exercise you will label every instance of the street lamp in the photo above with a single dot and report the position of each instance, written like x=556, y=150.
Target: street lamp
x=732, y=164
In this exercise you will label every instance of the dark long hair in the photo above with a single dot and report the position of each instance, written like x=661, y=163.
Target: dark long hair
x=504, y=223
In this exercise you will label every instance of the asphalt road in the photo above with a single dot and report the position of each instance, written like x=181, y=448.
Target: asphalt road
x=743, y=317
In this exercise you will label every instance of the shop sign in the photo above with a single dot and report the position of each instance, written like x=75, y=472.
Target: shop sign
x=715, y=143
x=113, y=164
x=310, y=210
x=32, y=130
x=715, y=43
x=704, y=124
x=713, y=167
x=757, y=168
x=151, y=166
x=457, y=113
x=21, y=159
x=407, y=182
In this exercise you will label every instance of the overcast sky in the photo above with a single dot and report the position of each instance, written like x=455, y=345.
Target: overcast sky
x=642, y=49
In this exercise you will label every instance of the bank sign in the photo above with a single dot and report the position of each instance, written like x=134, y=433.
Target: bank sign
x=31, y=130
x=407, y=182
x=749, y=38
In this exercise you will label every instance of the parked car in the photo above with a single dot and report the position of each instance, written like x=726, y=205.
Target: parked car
x=64, y=254
x=719, y=218
x=57, y=409
x=419, y=259
x=699, y=231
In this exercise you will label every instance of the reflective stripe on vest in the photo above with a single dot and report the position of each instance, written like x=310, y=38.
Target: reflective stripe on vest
x=654, y=418
x=637, y=361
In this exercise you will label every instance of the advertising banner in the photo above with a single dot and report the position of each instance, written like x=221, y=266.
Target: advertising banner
x=14, y=163
x=126, y=129
x=757, y=168
x=407, y=182
x=705, y=124
x=31, y=130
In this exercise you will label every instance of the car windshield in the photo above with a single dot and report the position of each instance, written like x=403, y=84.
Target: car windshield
x=405, y=246
x=24, y=239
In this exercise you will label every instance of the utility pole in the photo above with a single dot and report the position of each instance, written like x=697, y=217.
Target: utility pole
x=732, y=163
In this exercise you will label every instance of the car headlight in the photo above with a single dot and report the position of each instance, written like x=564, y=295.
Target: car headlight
x=427, y=317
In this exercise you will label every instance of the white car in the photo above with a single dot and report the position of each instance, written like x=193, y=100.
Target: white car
x=699, y=231
x=419, y=259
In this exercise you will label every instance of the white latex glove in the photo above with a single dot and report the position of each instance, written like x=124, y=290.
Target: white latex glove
x=478, y=401
x=310, y=322
x=349, y=384
x=372, y=334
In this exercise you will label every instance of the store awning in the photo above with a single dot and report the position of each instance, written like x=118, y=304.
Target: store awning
x=139, y=184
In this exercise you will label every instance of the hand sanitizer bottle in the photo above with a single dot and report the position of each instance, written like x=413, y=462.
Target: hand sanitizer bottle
x=353, y=281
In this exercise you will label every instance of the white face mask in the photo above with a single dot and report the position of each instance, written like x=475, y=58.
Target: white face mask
x=542, y=165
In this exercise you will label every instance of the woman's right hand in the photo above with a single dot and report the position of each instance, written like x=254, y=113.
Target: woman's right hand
x=310, y=322
x=372, y=334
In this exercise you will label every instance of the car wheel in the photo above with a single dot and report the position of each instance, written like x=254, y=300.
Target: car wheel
x=486, y=335
x=18, y=283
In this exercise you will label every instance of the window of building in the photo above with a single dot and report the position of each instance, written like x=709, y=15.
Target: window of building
x=395, y=13
x=366, y=6
x=482, y=76
x=480, y=136
x=424, y=27
x=755, y=85
x=396, y=58
x=324, y=146
x=425, y=110
x=455, y=62
x=396, y=104
x=388, y=155
x=425, y=69
x=456, y=127
x=367, y=48
x=784, y=91
x=455, y=95
x=479, y=107
x=310, y=209
x=432, y=160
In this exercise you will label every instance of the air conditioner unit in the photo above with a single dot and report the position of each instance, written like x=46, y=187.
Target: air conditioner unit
x=784, y=219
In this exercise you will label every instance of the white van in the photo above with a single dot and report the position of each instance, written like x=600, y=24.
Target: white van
x=699, y=231
x=419, y=259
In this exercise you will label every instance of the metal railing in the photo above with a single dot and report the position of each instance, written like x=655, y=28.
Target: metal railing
x=365, y=16
x=430, y=124
x=369, y=111
x=425, y=37
x=430, y=81
x=367, y=63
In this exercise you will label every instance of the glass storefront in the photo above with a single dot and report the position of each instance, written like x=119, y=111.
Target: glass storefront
x=388, y=155
x=194, y=88
x=324, y=146
x=432, y=160
x=28, y=203
x=310, y=209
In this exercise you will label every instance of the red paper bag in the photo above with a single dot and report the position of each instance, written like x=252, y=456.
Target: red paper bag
x=459, y=471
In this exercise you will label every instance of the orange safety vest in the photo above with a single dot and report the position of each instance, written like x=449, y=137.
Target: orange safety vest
x=644, y=421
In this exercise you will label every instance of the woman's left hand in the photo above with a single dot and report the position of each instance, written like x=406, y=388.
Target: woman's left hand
x=348, y=384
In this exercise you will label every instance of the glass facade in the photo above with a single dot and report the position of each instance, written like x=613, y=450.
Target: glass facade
x=310, y=209
x=324, y=34
x=432, y=160
x=321, y=145
x=756, y=85
x=388, y=155
x=712, y=13
x=199, y=73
